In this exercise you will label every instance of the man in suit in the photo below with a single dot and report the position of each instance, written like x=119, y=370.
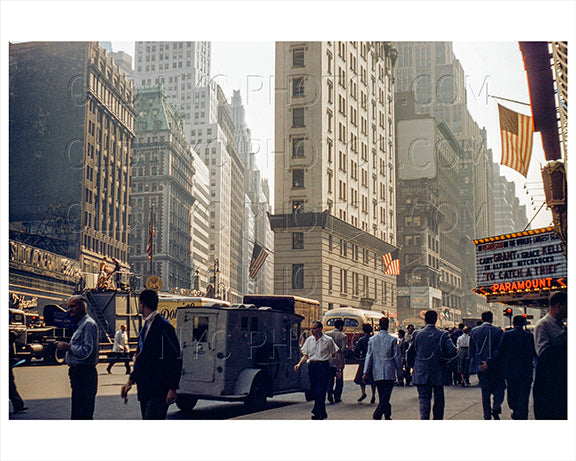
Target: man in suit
x=515, y=355
x=337, y=366
x=429, y=349
x=484, y=340
x=385, y=362
x=157, y=364
x=550, y=391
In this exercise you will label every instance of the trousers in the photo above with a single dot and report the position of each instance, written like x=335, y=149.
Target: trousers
x=491, y=386
x=384, y=387
x=319, y=373
x=335, y=388
x=518, y=393
x=154, y=408
x=84, y=384
x=425, y=397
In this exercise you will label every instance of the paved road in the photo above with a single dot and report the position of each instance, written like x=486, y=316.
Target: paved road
x=46, y=391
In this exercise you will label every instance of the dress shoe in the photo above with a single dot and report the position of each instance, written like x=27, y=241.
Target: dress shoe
x=362, y=397
x=316, y=417
x=330, y=399
x=373, y=400
x=337, y=400
x=388, y=418
x=20, y=409
x=496, y=415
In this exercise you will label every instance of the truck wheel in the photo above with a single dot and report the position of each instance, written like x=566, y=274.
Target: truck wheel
x=256, y=400
x=185, y=403
x=54, y=356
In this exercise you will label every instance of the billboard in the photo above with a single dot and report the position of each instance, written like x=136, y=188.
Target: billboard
x=523, y=262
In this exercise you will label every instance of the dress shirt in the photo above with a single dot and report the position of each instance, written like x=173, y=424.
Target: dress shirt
x=120, y=342
x=319, y=350
x=148, y=321
x=84, y=343
x=463, y=341
x=548, y=332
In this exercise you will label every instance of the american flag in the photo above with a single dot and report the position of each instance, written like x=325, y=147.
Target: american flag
x=259, y=255
x=393, y=268
x=151, y=234
x=386, y=260
x=516, y=131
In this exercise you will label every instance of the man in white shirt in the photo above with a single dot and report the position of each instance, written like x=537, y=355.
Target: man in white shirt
x=317, y=350
x=120, y=349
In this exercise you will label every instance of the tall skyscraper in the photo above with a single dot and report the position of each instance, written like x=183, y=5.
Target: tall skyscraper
x=180, y=67
x=257, y=200
x=71, y=132
x=162, y=193
x=428, y=202
x=335, y=196
x=431, y=71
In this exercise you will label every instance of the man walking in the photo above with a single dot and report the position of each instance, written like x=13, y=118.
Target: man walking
x=484, y=340
x=385, y=363
x=81, y=357
x=120, y=350
x=409, y=364
x=337, y=370
x=317, y=350
x=515, y=356
x=158, y=364
x=551, y=380
x=430, y=348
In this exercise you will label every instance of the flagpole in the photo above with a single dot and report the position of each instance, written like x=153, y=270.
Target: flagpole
x=510, y=100
x=151, y=236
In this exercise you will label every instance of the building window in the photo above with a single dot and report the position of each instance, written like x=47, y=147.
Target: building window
x=298, y=147
x=330, y=281
x=297, y=276
x=297, y=206
x=298, y=117
x=298, y=87
x=297, y=240
x=298, y=57
x=297, y=178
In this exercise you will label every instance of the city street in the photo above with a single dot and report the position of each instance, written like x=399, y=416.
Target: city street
x=46, y=391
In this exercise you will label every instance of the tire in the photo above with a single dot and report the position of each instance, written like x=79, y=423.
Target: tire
x=185, y=403
x=54, y=356
x=256, y=400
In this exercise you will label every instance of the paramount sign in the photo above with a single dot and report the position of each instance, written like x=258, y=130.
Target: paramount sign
x=520, y=263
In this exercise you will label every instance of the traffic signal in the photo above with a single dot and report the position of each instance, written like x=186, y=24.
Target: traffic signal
x=508, y=312
x=527, y=317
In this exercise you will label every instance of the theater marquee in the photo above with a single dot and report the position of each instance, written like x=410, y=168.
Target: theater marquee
x=520, y=266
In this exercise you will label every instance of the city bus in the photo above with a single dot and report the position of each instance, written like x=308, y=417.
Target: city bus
x=168, y=303
x=353, y=320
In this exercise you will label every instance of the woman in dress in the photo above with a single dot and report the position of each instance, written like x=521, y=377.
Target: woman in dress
x=360, y=351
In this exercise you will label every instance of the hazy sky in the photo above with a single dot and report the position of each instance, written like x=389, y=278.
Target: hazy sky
x=491, y=69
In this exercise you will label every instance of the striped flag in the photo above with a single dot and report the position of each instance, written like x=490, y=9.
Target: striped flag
x=516, y=131
x=259, y=255
x=386, y=260
x=393, y=268
x=151, y=234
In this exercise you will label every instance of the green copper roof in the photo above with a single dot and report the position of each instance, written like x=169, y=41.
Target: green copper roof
x=154, y=113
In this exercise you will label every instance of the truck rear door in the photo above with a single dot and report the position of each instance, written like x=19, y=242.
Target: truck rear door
x=198, y=335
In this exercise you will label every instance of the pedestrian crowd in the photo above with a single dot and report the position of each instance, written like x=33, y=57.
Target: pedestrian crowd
x=506, y=362
x=428, y=358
